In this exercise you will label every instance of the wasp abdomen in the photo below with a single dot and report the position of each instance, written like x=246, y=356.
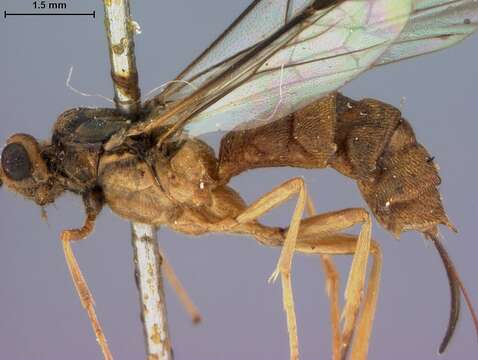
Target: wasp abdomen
x=366, y=140
x=303, y=139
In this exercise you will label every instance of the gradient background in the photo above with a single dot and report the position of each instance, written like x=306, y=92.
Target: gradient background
x=40, y=314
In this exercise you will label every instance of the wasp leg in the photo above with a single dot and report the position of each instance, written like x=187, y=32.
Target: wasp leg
x=311, y=228
x=334, y=222
x=308, y=238
x=344, y=244
x=318, y=237
x=270, y=200
x=93, y=203
x=178, y=287
x=332, y=279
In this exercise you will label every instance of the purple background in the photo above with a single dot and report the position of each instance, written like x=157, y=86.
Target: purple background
x=41, y=317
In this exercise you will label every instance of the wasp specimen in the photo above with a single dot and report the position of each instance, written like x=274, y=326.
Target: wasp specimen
x=153, y=169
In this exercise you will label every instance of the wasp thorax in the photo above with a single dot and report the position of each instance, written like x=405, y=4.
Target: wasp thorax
x=191, y=173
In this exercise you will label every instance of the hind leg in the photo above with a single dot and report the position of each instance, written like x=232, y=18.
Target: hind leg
x=317, y=237
x=307, y=237
x=317, y=226
x=334, y=222
x=332, y=280
x=344, y=244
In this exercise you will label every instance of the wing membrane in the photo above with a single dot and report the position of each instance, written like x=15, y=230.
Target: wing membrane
x=433, y=25
x=311, y=58
x=313, y=53
x=330, y=49
x=259, y=21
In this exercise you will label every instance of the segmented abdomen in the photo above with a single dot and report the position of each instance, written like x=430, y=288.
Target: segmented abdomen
x=366, y=140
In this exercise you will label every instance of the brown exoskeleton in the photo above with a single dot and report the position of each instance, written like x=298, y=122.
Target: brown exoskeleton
x=147, y=172
x=184, y=186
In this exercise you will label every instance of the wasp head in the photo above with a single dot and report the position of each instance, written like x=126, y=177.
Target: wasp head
x=24, y=170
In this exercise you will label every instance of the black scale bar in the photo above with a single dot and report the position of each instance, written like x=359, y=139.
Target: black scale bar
x=5, y=14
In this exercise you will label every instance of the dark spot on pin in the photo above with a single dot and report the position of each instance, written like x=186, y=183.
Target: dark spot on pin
x=128, y=85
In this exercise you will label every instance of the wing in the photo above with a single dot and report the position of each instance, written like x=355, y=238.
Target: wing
x=258, y=22
x=316, y=48
x=329, y=43
x=433, y=25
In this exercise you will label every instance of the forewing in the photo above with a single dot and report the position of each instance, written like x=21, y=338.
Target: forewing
x=259, y=21
x=433, y=25
x=315, y=52
x=327, y=50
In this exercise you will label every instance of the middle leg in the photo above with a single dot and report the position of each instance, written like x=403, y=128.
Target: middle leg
x=315, y=227
x=322, y=235
x=273, y=199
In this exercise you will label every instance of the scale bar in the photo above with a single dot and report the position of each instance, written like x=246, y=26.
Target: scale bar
x=5, y=14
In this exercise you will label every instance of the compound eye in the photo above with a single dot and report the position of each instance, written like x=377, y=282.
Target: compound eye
x=15, y=162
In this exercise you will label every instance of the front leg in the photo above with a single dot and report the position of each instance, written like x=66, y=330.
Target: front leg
x=93, y=201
